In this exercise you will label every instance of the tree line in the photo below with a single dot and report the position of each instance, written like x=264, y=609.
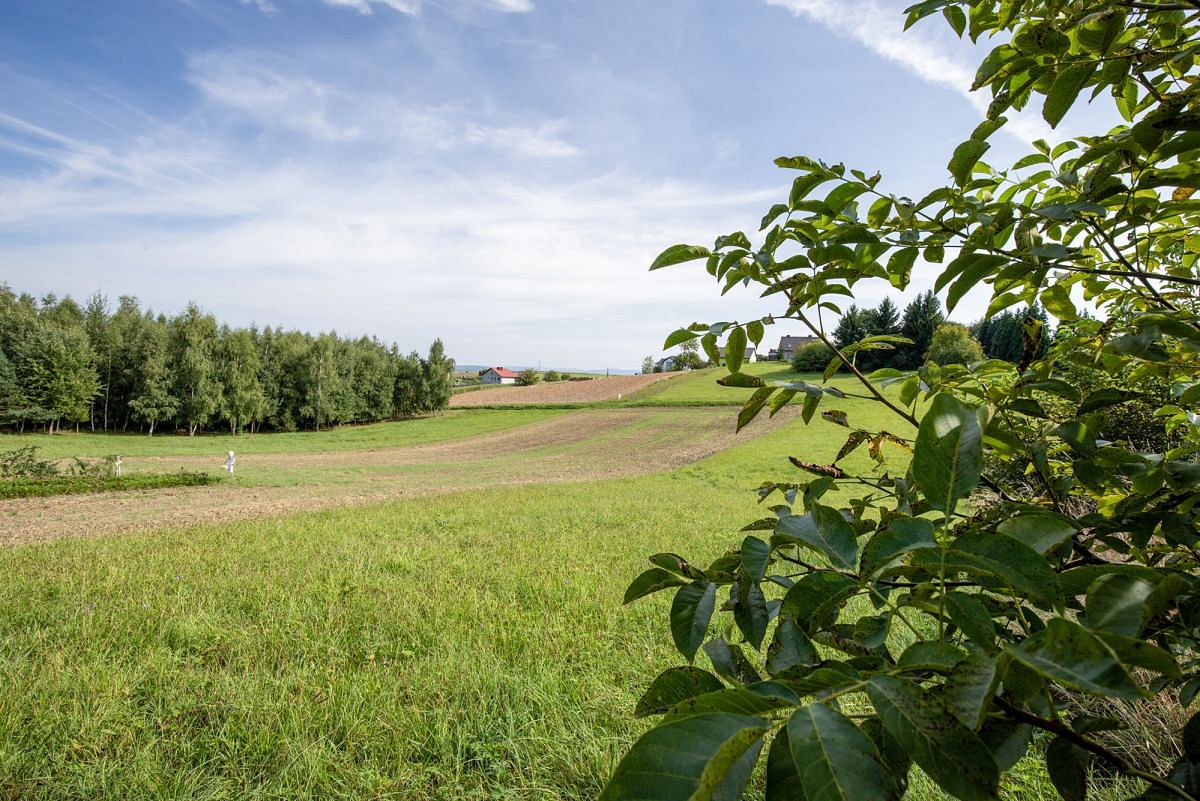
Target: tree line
x=933, y=336
x=129, y=369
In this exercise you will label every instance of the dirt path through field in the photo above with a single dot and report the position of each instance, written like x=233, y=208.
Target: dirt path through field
x=580, y=446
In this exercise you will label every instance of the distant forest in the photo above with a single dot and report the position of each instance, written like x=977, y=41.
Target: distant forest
x=129, y=369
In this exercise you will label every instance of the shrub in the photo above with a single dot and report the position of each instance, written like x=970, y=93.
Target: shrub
x=528, y=378
x=953, y=344
x=24, y=463
x=73, y=485
x=942, y=616
x=812, y=358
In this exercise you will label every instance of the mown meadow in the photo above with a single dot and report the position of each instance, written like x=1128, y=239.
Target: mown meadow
x=465, y=646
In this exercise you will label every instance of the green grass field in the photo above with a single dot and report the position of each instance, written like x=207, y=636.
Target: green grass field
x=466, y=646
x=700, y=387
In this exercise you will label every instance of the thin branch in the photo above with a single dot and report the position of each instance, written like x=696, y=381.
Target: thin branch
x=1144, y=5
x=1074, y=737
x=866, y=382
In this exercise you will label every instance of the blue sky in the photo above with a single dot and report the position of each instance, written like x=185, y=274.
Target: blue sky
x=498, y=173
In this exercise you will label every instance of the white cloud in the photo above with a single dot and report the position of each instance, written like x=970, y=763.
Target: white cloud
x=504, y=263
x=249, y=83
x=265, y=6
x=930, y=52
x=413, y=7
x=273, y=94
x=542, y=141
x=364, y=6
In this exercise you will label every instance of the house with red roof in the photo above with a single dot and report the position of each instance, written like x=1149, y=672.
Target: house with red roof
x=498, y=375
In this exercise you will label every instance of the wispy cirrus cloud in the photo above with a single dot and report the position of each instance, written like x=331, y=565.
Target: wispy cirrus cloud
x=414, y=7
x=273, y=93
x=265, y=6
x=931, y=53
x=480, y=259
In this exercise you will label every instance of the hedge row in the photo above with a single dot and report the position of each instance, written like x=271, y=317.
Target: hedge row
x=71, y=485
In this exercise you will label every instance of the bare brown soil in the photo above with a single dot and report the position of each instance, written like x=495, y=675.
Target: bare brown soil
x=596, y=389
x=586, y=445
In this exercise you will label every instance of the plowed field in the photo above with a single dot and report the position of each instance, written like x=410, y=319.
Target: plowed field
x=596, y=389
x=578, y=446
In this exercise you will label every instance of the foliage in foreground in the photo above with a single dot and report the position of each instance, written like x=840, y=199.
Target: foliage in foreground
x=1027, y=572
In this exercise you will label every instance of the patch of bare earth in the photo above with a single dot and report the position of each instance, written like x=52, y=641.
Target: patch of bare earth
x=590, y=391
x=586, y=445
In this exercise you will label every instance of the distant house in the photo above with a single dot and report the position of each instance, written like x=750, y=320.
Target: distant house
x=498, y=375
x=788, y=346
x=751, y=355
x=665, y=365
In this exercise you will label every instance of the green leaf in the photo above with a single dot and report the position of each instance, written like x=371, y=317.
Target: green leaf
x=1057, y=300
x=677, y=336
x=969, y=278
x=803, y=185
x=1040, y=531
x=970, y=688
x=772, y=215
x=730, y=661
x=737, y=777
x=780, y=400
x=879, y=211
x=964, y=159
x=755, y=556
x=902, y=536
x=1104, y=398
x=1191, y=738
x=674, y=563
x=754, y=699
x=754, y=330
x=899, y=266
x=842, y=195
x=735, y=349
x=750, y=613
x=928, y=732
x=1074, y=657
x=790, y=647
x=674, y=686
x=972, y=617
x=708, y=343
x=934, y=655
x=753, y=406
x=783, y=780
x=1066, y=765
x=948, y=456
x=1007, y=739
x=974, y=264
x=824, y=530
x=1068, y=83
x=814, y=600
x=685, y=758
x=651, y=581
x=1133, y=652
x=956, y=17
x=690, y=613
x=1117, y=603
x=995, y=555
x=837, y=762
x=741, y=380
x=894, y=759
x=1077, y=580
x=677, y=254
